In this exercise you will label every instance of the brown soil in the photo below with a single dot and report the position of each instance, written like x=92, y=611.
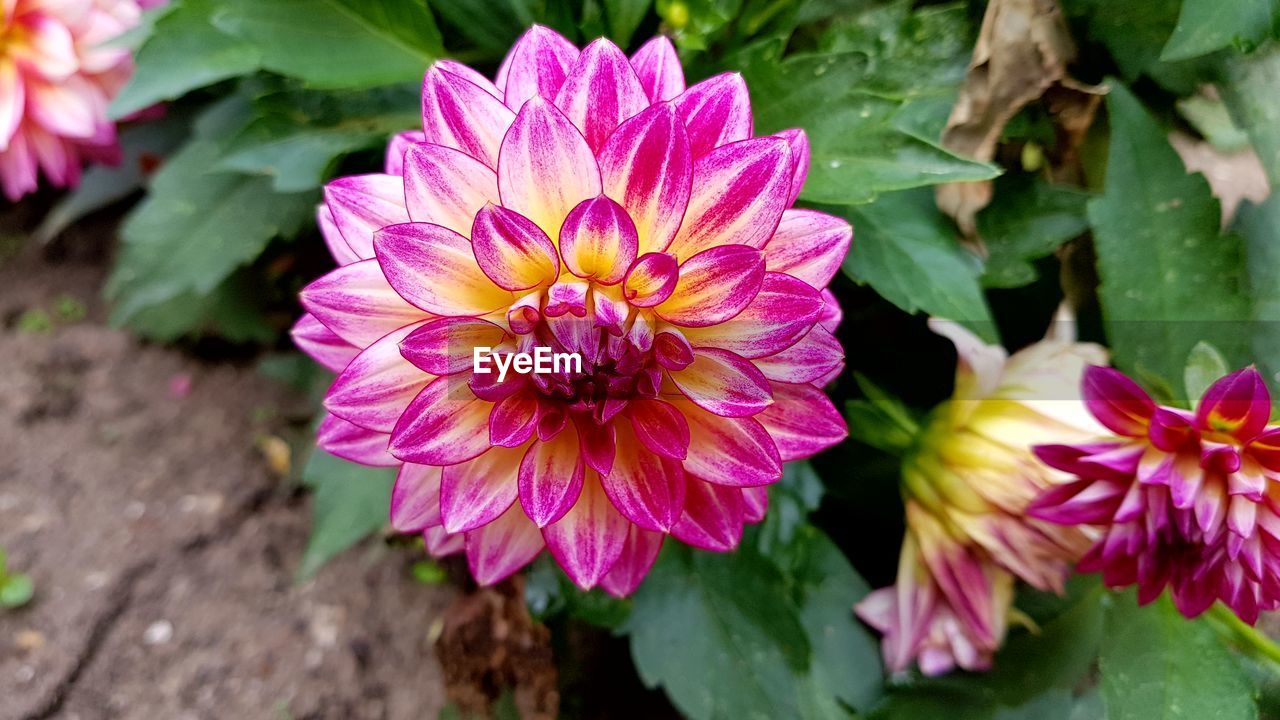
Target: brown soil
x=162, y=547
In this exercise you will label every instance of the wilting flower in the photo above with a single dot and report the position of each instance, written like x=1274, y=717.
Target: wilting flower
x=586, y=203
x=56, y=79
x=1185, y=500
x=966, y=483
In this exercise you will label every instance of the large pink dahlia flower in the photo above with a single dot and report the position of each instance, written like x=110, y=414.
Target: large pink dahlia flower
x=586, y=203
x=1185, y=500
x=966, y=484
x=56, y=79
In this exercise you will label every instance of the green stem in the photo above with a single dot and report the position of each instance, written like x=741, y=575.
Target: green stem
x=1248, y=639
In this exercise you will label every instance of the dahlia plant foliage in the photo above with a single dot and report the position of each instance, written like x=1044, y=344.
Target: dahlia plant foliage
x=57, y=75
x=588, y=203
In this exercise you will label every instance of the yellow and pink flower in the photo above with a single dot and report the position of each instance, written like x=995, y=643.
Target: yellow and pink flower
x=57, y=76
x=967, y=483
x=589, y=203
x=1188, y=501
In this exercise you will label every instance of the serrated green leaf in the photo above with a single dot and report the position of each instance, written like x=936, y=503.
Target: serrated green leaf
x=858, y=148
x=1259, y=225
x=1249, y=90
x=351, y=503
x=1205, y=26
x=184, y=52
x=1027, y=219
x=336, y=43
x=1205, y=365
x=1168, y=278
x=197, y=225
x=908, y=252
x=1157, y=665
x=737, y=636
x=296, y=137
x=1135, y=32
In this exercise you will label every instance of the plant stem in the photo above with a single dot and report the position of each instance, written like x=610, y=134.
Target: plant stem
x=1248, y=639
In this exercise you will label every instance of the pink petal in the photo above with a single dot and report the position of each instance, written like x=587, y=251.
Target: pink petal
x=513, y=251
x=551, y=475
x=458, y=111
x=598, y=240
x=729, y=451
x=476, y=492
x=755, y=503
x=322, y=344
x=589, y=539
x=658, y=68
x=354, y=443
x=713, y=516
x=400, y=143
x=435, y=269
x=599, y=443
x=739, y=193
x=357, y=303
x=799, y=143
x=809, y=245
x=647, y=167
x=537, y=65
x=338, y=247
x=783, y=312
x=12, y=101
x=66, y=108
x=660, y=427
x=802, y=421
x=445, y=424
x=1116, y=401
x=546, y=167
x=497, y=550
x=600, y=92
x=415, y=499
x=647, y=488
x=812, y=360
x=445, y=346
x=638, y=555
x=440, y=543
x=651, y=279
x=1238, y=404
x=446, y=187
x=513, y=419
x=724, y=383
x=362, y=205
x=717, y=111
x=672, y=349
x=714, y=286
x=377, y=386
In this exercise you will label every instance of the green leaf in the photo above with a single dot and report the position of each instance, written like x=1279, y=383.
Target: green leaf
x=351, y=503
x=908, y=252
x=337, y=43
x=1211, y=119
x=1135, y=32
x=16, y=590
x=1249, y=90
x=1157, y=665
x=624, y=17
x=859, y=147
x=1205, y=365
x=198, y=225
x=1168, y=278
x=1259, y=225
x=791, y=499
x=297, y=137
x=735, y=636
x=491, y=25
x=184, y=52
x=1027, y=220
x=103, y=185
x=1205, y=26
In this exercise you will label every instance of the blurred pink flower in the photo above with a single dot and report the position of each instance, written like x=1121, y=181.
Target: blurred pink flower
x=967, y=482
x=586, y=203
x=56, y=79
x=1185, y=500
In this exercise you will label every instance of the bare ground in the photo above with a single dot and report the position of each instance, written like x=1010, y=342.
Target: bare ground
x=163, y=548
